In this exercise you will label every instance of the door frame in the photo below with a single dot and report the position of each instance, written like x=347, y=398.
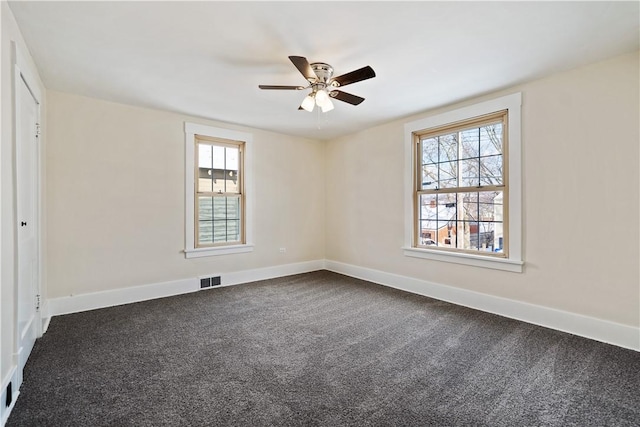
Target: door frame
x=25, y=73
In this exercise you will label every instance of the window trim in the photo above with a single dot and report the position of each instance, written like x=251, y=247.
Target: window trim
x=513, y=262
x=191, y=130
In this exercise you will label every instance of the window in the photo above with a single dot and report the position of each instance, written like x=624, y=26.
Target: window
x=219, y=192
x=463, y=186
x=460, y=186
x=217, y=185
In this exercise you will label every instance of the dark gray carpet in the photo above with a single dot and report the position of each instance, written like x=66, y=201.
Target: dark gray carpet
x=319, y=349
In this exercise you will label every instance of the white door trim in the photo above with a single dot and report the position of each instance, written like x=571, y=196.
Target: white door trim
x=24, y=73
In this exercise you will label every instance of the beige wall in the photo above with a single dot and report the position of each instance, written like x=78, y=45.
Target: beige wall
x=116, y=214
x=116, y=198
x=580, y=133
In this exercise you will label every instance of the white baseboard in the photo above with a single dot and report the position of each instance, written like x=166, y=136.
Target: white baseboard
x=585, y=326
x=265, y=273
x=5, y=411
x=45, y=323
x=577, y=324
x=95, y=300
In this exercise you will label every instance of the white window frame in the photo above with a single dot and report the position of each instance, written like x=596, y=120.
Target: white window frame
x=514, y=262
x=191, y=130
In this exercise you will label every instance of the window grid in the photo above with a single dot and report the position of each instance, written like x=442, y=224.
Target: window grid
x=217, y=221
x=483, y=234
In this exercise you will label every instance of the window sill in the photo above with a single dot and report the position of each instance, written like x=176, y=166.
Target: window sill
x=218, y=250
x=504, y=264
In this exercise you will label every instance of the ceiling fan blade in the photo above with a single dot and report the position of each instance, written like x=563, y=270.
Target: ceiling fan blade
x=303, y=66
x=346, y=97
x=275, y=87
x=363, y=73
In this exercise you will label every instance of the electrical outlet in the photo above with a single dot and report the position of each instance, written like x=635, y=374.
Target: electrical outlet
x=283, y=250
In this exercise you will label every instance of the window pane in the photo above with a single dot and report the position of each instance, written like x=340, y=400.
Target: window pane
x=491, y=139
x=211, y=167
x=448, y=200
x=232, y=185
x=482, y=228
x=226, y=208
x=470, y=240
x=233, y=230
x=498, y=206
x=470, y=173
x=429, y=150
x=428, y=217
x=461, y=235
x=428, y=207
x=218, y=180
x=479, y=229
x=205, y=183
x=490, y=205
x=205, y=232
x=448, y=147
x=226, y=231
x=429, y=177
x=217, y=156
x=205, y=219
x=486, y=236
x=205, y=208
x=437, y=218
x=443, y=227
x=219, y=219
x=448, y=175
x=220, y=231
x=470, y=206
x=204, y=156
x=469, y=141
x=491, y=170
x=217, y=168
x=232, y=156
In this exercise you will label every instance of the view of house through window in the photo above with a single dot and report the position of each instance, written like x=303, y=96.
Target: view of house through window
x=461, y=190
x=219, y=192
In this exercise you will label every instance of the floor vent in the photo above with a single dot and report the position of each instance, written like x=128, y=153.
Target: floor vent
x=207, y=282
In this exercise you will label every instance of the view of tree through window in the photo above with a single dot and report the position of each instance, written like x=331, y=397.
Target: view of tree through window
x=461, y=188
x=219, y=193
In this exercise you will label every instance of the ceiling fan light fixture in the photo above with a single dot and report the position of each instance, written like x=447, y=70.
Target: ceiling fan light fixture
x=322, y=98
x=327, y=106
x=308, y=103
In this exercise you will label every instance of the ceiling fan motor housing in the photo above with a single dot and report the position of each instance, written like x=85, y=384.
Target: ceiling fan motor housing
x=323, y=71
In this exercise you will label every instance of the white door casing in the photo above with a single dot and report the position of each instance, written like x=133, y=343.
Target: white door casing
x=27, y=194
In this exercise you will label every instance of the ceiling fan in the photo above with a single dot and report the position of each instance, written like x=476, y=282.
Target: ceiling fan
x=323, y=85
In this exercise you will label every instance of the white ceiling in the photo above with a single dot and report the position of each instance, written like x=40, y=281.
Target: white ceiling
x=206, y=59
